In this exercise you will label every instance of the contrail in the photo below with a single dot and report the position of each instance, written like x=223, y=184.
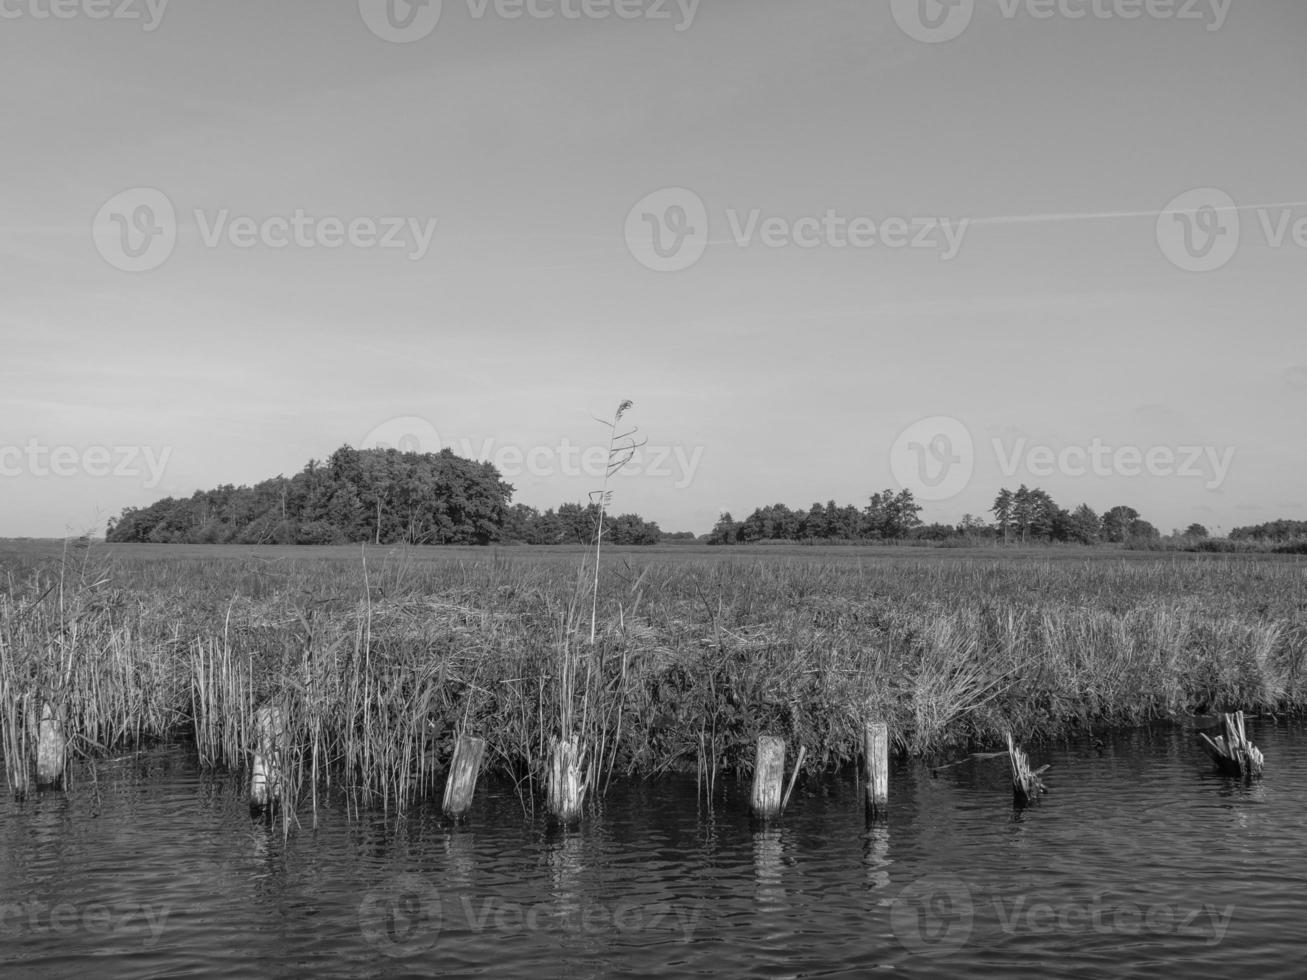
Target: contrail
x=1024, y=219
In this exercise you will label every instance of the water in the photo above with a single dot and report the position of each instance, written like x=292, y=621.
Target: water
x=1140, y=860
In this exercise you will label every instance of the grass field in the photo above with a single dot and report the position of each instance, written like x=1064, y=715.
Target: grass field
x=381, y=656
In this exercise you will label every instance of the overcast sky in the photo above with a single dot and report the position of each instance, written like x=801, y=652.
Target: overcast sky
x=825, y=247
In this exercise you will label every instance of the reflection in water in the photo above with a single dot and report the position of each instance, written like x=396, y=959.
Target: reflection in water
x=460, y=856
x=173, y=878
x=566, y=855
x=768, y=868
x=875, y=855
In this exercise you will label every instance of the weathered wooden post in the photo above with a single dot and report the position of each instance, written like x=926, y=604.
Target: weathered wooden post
x=875, y=747
x=769, y=778
x=266, y=781
x=461, y=784
x=566, y=790
x=1026, y=784
x=1233, y=754
x=51, y=747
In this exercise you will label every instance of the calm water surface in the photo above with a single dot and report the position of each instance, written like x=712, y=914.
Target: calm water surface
x=1140, y=861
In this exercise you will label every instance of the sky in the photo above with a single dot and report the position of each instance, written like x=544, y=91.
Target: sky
x=825, y=248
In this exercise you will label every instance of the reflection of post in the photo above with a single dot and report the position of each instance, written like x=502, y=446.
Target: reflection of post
x=876, y=749
x=567, y=861
x=768, y=777
x=768, y=863
x=51, y=748
x=460, y=849
x=461, y=784
x=875, y=855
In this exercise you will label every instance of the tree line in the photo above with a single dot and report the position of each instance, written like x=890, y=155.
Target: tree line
x=374, y=495
x=1020, y=516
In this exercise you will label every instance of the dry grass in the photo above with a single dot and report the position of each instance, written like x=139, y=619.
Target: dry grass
x=378, y=669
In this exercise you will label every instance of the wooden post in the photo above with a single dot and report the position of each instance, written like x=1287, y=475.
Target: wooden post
x=461, y=783
x=769, y=777
x=875, y=745
x=51, y=748
x=270, y=726
x=1233, y=754
x=1026, y=784
x=566, y=787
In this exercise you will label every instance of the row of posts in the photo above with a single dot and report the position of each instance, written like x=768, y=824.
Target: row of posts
x=566, y=783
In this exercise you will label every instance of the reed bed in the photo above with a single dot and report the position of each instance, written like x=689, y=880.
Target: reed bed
x=379, y=664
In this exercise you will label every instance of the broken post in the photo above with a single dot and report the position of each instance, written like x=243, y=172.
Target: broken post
x=1026, y=784
x=51, y=748
x=266, y=781
x=769, y=778
x=461, y=784
x=566, y=789
x=1233, y=754
x=876, y=749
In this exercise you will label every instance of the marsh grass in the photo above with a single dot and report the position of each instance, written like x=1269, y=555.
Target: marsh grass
x=379, y=670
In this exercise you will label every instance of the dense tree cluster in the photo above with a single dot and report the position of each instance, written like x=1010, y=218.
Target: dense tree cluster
x=380, y=496
x=1272, y=531
x=574, y=524
x=1021, y=516
x=1031, y=515
x=889, y=516
x=384, y=496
